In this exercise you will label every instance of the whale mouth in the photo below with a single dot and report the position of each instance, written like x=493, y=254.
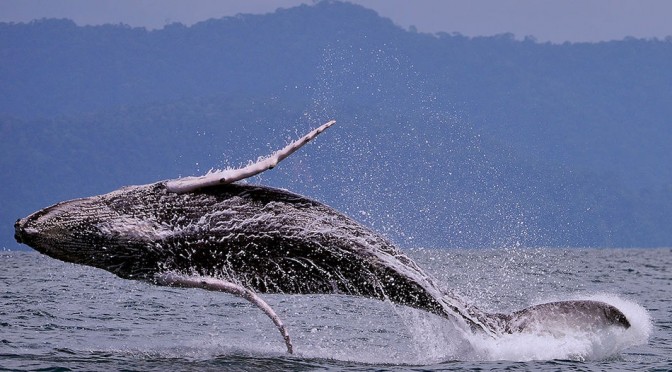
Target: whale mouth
x=17, y=232
x=25, y=229
x=30, y=236
x=20, y=234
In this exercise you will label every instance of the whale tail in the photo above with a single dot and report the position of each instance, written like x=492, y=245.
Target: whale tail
x=555, y=318
x=562, y=317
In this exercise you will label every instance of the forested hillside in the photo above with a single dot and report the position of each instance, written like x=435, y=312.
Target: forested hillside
x=442, y=140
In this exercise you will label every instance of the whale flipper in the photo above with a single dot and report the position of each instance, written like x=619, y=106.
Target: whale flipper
x=188, y=184
x=213, y=284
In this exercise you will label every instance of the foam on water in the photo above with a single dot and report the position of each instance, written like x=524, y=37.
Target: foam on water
x=419, y=338
x=572, y=345
x=77, y=317
x=359, y=330
x=405, y=336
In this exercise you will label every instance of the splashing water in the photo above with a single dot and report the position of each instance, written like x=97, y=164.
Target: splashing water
x=134, y=325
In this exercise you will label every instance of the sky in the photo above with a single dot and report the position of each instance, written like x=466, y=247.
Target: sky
x=556, y=21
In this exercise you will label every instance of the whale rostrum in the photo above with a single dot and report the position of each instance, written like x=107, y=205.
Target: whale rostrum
x=213, y=233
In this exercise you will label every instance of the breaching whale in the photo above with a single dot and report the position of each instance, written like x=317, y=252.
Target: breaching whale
x=210, y=232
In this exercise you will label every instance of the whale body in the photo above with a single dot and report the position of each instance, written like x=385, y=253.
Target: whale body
x=212, y=233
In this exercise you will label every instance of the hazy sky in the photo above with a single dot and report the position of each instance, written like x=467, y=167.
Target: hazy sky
x=547, y=20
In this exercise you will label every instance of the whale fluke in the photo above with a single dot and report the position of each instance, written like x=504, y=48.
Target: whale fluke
x=209, y=232
x=562, y=316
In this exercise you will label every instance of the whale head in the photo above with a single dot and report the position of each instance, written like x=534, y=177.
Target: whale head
x=59, y=231
x=90, y=231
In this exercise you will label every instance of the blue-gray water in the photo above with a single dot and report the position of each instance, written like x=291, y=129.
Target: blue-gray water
x=58, y=316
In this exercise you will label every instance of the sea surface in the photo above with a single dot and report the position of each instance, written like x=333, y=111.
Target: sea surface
x=61, y=316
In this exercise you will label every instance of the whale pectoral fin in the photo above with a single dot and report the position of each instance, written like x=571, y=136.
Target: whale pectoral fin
x=212, y=284
x=188, y=184
x=564, y=316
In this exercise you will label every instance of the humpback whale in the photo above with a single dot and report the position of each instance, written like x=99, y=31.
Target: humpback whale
x=213, y=233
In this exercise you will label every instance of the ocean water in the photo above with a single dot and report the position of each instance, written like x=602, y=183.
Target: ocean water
x=61, y=316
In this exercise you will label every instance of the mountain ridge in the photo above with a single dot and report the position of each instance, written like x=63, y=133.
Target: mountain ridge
x=480, y=135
